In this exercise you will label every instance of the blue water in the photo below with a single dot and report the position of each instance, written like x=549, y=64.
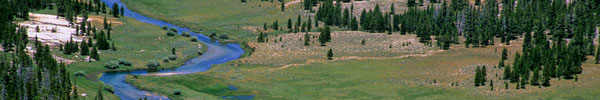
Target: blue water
x=217, y=53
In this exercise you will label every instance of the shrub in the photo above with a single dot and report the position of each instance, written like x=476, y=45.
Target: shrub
x=111, y=65
x=80, y=73
x=153, y=64
x=165, y=27
x=224, y=36
x=199, y=52
x=173, y=29
x=194, y=39
x=177, y=92
x=171, y=33
x=172, y=57
x=186, y=34
x=108, y=88
x=124, y=62
x=165, y=59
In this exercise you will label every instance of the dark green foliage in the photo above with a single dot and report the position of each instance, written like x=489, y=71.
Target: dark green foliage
x=411, y=3
x=115, y=10
x=491, y=85
x=480, y=74
x=325, y=36
x=178, y=92
x=282, y=5
x=84, y=48
x=275, y=25
x=186, y=34
x=153, y=64
x=122, y=11
x=308, y=24
x=94, y=54
x=124, y=62
x=362, y=42
x=173, y=51
x=111, y=65
x=289, y=25
x=261, y=37
x=329, y=54
x=306, y=39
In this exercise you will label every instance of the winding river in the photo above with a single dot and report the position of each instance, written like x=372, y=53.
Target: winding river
x=217, y=53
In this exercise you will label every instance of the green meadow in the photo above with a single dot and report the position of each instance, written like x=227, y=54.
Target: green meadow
x=217, y=16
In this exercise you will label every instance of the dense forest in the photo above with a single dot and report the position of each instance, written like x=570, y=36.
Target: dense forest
x=41, y=76
x=24, y=77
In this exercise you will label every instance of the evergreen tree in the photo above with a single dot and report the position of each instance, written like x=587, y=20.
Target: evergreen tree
x=282, y=5
x=309, y=24
x=507, y=73
x=325, y=36
x=477, y=78
x=306, y=39
x=411, y=3
x=94, y=55
x=84, y=48
x=261, y=37
x=115, y=10
x=122, y=11
x=173, y=51
x=491, y=85
x=289, y=25
x=329, y=54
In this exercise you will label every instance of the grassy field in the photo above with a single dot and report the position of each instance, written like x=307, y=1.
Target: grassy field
x=216, y=16
x=427, y=77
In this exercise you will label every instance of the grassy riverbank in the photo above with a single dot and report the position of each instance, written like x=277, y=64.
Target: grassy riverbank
x=429, y=77
x=216, y=16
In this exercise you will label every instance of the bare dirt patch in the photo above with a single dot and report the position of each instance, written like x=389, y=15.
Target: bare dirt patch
x=53, y=30
x=288, y=49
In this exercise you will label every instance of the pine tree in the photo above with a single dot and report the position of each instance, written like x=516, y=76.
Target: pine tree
x=411, y=3
x=306, y=39
x=122, y=11
x=309, y=24
x=329, y=54
x=115, y=10
x=504, y=54
x=282, y=5
x=491, y=85
x=265, y=26
x=289, y=25
x=84, y=48
x=261, y=37
x=173, y=51
x=325, y=36
x=505, y=85
x=536, y=77
x=94, y=55
x=507, y=73
x=477, y=78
